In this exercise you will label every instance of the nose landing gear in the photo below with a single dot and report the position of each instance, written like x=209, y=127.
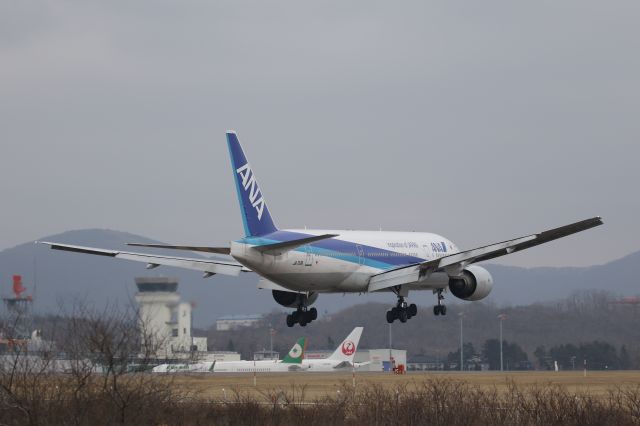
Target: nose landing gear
x=440, y=308
x=302, y=316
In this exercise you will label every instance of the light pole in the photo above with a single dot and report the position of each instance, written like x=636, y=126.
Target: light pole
x=390, y=350
x=271, y=333
x=502, y=317
x=461, y=315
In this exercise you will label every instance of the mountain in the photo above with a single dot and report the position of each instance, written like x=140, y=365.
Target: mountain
x=63, y=277
x=515, y=285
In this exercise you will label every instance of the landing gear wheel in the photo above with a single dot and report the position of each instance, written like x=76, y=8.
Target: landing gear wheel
x=390, y=317
x=296, y=316
x=440, y=309
x=402, y=315
x=290, y=321
x=402, y=310
x=302, y=316
x=412, y=310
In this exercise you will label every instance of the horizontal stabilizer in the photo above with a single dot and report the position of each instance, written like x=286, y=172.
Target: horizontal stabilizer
x=284, y=246
x=218, y=250
x=343, y=364
x=265, y=284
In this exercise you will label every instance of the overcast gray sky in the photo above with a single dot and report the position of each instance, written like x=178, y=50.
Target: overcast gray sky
x=481, y=121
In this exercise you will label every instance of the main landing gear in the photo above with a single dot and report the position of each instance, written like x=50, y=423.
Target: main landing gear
x=440, y=308
x=302, y=316
x=402, y=311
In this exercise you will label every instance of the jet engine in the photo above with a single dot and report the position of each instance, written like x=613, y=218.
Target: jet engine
x=293, y=300
x=474, y=283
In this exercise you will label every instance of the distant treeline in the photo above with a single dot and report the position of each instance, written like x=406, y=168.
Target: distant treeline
x=589, y=324
x=593, y=355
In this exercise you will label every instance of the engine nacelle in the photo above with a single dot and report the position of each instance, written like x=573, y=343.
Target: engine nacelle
x=293, y=300
x=474, y=283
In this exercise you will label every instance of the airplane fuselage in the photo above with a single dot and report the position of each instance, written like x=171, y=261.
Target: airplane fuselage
x=344, y=263
x=265, y=366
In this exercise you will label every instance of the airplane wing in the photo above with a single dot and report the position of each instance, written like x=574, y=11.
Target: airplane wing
x=218, y=250
x=277, y=248
x=455, y=263
x=208, y=266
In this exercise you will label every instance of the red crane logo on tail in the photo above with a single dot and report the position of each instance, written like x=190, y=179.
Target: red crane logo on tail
x=348, y=348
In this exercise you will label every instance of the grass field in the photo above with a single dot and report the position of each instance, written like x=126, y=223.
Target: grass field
x=317, y=385
x=317, y=399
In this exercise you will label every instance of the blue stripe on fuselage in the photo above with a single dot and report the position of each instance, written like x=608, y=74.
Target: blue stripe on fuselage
x=338, y=249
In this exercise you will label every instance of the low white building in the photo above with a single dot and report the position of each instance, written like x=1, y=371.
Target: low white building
x=379, y=359
x=218, y=356
x=232, y=322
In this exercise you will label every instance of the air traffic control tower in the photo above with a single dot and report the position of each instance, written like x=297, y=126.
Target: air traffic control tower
x=165, y=321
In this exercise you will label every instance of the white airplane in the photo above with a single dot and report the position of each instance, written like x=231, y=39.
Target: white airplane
x=292, y=362
x=197, y=367
x=341, y=358
x=299, y=264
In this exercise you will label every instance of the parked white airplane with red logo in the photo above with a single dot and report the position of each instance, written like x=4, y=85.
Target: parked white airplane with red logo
x=342, y=357
x=299, y=264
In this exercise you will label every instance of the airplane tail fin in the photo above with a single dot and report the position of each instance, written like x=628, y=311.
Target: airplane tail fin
x=255, y=214
x=296, y=354
x=347, y=349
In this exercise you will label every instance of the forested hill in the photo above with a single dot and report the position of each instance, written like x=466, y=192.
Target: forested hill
x=583, y=318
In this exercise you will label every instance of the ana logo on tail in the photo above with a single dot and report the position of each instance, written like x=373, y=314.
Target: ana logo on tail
x=348, y=348
x=255, y=195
